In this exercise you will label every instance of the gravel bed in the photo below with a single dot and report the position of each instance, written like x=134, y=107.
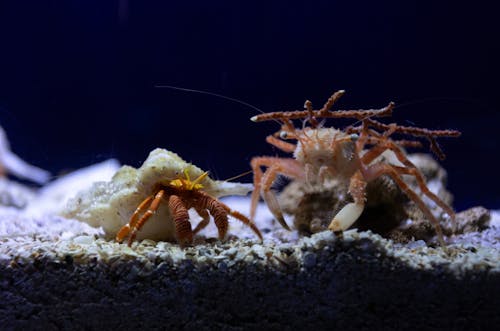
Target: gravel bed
x=57, y=274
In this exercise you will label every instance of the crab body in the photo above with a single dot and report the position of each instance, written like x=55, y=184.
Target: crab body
x=326, y=153
x=350, y=158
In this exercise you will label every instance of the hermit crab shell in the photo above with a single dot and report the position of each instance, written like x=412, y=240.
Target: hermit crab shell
x=111, y=204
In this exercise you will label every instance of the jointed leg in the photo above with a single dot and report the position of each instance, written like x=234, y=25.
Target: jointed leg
x=134, y=225
x=425, y=190
x=411, y=169
x=220, y=212
x=153, y=207
x=239, y=216
x=269, y=197
x=283, y=145
x=257, y=180
x=205, y=219
x=380, y=169
x=180, y=216
x=125, y=230
x=288, y=167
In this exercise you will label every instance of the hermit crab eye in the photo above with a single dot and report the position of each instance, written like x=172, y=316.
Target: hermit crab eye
x=354, y=137
x=283, y=135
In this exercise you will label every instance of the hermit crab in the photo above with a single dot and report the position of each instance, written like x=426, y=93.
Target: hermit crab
x=130, y=205
x=349, y=157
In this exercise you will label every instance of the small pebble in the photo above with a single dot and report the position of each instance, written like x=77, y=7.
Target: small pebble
x=83, y=240
x=416, y=244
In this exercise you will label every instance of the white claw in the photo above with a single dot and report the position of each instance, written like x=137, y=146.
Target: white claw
x=346, y=217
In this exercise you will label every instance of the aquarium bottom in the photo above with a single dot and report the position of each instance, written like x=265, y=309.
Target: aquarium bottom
x=336, y=284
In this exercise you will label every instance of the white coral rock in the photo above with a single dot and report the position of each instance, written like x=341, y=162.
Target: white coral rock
x=14, y=165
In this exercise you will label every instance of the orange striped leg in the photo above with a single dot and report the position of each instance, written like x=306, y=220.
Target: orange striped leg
x=125, y=230
x=153, y=207
x=180, y=215
x=220, y=212
x=217, y=209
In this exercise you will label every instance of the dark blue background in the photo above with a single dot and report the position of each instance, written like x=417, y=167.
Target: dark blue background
x=77, y=78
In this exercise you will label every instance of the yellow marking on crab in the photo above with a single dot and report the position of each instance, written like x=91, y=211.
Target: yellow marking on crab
x=187, y=184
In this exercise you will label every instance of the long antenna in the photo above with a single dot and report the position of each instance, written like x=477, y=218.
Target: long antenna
x=212, y=94
x=238, y=176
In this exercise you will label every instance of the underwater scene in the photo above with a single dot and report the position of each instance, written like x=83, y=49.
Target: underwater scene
x=226, y=165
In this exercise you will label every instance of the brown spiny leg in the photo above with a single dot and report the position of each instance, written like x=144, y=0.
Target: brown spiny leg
x=384, y=143
x=290, y=168
x=180, y=216
x=409, y=169
x=205, y=219
x=125, y=230
x=263, y=182
x=153, y=207
x=380, y=169
x=283, y=145
x=412, y=170
x=268, y=195
x=255, y=163
x=351, y=212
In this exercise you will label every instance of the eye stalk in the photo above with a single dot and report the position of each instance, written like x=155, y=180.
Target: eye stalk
x=283, y=135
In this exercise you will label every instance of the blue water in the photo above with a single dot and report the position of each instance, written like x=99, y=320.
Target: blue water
x=77, y=78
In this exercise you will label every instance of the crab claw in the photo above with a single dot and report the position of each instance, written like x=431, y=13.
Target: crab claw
x=274, y=207
x=346, y=217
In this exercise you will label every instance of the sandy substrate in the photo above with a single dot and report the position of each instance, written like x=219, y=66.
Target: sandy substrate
x=57, y=273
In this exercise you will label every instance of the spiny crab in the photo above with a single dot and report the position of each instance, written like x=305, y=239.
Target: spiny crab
x=350, y=158
x=131, y=201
